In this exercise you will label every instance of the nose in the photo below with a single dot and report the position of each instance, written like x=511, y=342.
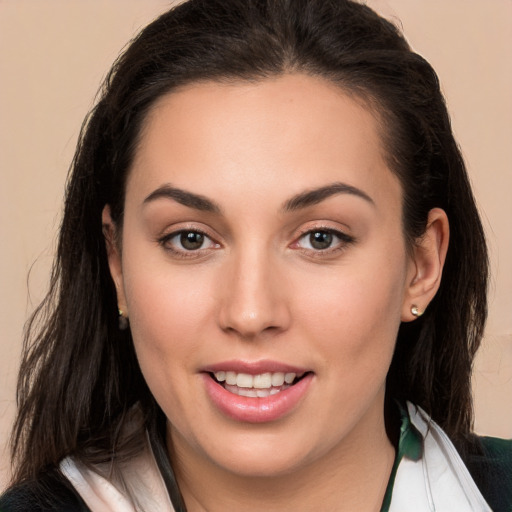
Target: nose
x=253, y=297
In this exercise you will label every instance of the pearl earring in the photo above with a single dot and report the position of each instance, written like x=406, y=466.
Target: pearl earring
x=415, y=311
x=123, y=320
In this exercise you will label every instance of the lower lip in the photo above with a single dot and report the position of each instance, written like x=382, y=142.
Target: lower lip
x=256, y=410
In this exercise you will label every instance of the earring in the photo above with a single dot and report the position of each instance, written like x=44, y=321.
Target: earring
x=123, y=320
x=415, y=311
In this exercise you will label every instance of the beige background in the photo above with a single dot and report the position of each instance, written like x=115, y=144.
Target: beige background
x=53, y=55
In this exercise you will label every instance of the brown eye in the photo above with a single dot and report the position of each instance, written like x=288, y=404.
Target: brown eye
x=191, y=240
x=187, y=242
x=324, y=241
x=320, y=239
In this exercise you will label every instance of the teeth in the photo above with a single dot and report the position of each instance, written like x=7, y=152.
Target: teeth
x=220, y=376
x=262, y=381
x=277, y=379
x=231, y=378
x=255, y=393
x=244, y=380
x=289, y=377
x=247, y=392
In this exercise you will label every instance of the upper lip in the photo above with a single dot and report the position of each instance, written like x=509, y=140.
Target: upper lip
x=254, y=367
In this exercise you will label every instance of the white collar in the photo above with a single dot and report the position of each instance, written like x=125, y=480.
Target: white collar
x=437, y=481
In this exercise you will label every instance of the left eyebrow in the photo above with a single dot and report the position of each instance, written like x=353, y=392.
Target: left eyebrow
x=189, y=199
x=317, y=195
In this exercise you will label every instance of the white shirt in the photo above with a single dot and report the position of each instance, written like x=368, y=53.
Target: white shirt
x=437, y=481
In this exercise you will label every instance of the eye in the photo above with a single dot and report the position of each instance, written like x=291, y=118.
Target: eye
x=320, y=239
x=323, y=240
x=187, y=241
x=190, y=240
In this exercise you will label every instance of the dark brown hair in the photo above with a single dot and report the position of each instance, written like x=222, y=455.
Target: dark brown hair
x=79, y=375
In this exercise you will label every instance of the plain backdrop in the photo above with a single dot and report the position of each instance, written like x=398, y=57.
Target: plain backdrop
x=53, y=56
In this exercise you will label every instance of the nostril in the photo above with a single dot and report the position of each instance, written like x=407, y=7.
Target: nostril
x=252, y=306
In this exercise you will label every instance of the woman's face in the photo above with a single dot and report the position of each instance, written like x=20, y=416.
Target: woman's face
x=264, y=271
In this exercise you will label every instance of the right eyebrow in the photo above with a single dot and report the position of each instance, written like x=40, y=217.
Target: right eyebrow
x=189, y=199
x=317, y=195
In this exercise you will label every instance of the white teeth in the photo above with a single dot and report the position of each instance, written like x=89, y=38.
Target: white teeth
x=263, y=381
x=231, y=378
x=220, y=376
x=247, y=392
x=255, y=393
x=244, y=380
x=289, y=377
x=277, y=379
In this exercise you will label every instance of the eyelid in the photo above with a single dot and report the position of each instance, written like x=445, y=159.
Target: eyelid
x=344, y=240
x=164, y=238
x=323, y=226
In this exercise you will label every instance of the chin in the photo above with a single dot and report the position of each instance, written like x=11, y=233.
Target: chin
x=266, y=454
x=263, y=465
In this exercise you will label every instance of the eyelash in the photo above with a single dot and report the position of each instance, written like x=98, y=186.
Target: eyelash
x=165, y=242
x=344, y=240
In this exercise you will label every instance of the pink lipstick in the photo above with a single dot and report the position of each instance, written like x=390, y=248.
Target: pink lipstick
x=256, y=392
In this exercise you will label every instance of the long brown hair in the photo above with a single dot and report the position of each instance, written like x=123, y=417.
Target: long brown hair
x=79, y=375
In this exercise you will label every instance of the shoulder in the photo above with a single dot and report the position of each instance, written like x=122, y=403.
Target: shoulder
x=50, y=492
x=491, y=469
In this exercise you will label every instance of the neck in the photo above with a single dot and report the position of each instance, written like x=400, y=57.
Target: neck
x=351, y=476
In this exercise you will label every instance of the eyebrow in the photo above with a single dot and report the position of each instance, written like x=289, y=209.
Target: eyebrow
x=196, y=201
x=297, y=202
x=317, y=195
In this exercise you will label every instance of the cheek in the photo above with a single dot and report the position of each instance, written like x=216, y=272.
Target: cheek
x=167, y=305
x=354, y=313
x=354, y=328
x=166, y=312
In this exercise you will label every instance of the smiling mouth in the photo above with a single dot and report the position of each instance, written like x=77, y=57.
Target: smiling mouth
x=256, y=386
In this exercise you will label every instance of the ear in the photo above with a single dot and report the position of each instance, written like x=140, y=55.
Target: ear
x=426, y=265
x=114, y=257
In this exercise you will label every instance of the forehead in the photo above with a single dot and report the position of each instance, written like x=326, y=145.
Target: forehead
x=300, y=129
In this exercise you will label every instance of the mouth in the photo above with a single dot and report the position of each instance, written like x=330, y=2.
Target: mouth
x=257, y=392
x=260, y=385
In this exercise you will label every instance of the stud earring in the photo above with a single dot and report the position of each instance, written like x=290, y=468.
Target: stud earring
x=123, y=320
x=415, y=311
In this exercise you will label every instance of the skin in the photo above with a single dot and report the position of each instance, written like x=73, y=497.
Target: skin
x=258, y=290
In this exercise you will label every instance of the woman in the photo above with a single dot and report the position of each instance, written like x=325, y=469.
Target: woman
x=270, y=282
